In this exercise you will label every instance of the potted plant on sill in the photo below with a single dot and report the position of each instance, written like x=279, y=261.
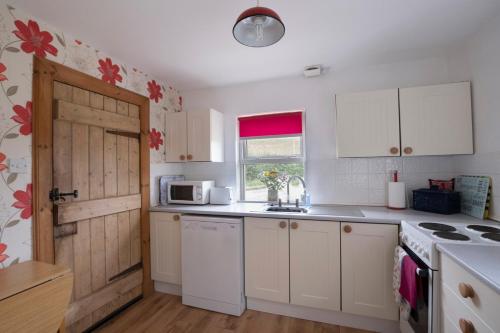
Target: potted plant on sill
x=274, y=182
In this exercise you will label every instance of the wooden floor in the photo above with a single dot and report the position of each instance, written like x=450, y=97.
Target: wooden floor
x=165, y=313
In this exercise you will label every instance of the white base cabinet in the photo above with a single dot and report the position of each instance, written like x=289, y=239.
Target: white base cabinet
x=267, y=259
x=467, y=304
x=293, y=261
x=165, y=233
x=314, y=264
x=367, y=266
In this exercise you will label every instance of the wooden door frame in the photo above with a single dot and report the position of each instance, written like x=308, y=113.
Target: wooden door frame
x=45, y=72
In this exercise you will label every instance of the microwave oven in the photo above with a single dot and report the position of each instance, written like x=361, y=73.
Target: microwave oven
x=190, y=192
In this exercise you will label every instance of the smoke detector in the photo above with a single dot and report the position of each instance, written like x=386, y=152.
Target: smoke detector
x=312, y=71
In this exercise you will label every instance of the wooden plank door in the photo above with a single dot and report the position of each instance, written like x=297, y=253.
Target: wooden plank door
x=97, y=233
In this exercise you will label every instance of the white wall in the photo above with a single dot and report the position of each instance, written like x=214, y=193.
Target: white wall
x=479, y=61
x=330, y=180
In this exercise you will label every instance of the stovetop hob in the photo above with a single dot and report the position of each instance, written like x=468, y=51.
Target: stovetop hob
x=492, y=236
x=436, y=226
x=451, y=235
x=483, y=228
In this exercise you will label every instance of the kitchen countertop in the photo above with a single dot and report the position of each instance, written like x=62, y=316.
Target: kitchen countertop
x=483, y=261
x=367, y=214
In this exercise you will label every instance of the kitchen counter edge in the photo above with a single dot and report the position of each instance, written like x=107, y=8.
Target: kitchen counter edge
x=380, y=215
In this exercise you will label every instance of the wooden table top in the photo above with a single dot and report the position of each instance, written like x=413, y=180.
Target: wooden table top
x=14, y=279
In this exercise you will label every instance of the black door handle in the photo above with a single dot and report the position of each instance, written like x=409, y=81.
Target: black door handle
x=55, y=195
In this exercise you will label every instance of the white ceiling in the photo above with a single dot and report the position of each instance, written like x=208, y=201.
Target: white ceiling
x=190, y=44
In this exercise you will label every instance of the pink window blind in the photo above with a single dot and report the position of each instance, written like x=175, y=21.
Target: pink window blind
x=287, y=123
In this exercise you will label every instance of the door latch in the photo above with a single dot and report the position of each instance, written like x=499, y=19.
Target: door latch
x=55, y=195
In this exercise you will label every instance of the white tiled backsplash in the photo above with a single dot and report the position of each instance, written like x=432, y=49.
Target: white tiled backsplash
x=355, y=181
x=364, y=180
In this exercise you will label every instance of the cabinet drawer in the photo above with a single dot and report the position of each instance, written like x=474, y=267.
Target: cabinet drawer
x=453, y=310
x=484, y=302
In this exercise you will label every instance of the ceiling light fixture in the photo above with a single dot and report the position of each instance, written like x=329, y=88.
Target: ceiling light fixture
x=258, y=27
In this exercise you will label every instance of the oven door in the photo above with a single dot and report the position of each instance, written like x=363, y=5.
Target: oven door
x=183, y=194
x=421, y=319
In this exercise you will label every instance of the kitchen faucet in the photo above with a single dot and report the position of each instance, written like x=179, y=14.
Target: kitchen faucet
x=288, y=190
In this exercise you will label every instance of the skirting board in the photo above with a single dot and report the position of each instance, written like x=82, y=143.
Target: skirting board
x=168, y=288
x=324, y=316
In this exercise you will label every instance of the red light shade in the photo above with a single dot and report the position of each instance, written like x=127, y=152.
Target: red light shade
x=288, y=123
x=258, y=27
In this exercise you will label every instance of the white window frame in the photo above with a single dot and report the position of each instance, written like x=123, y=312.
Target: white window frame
x=245, y=160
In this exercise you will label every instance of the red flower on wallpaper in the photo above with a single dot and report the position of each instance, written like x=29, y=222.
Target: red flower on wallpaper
x=24, y=201
x=3, y=256
x=180, y=103
x=33, y=39
x=154, y=90
x=155, y=140
x=109, y=71
x=3, y=166
x=2, y=69
x=23, y=117
x=78, y=42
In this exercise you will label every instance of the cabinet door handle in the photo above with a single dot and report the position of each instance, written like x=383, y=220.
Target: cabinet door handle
x=294, y=225
x=466, y=290
x=466, y=326
x=176, y=217
x=347, y=229
x=189, y=157
x=283, y=224
x=394, y=150
x=408, y=150
x=182, y=157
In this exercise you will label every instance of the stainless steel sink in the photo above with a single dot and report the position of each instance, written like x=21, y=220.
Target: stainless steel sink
x=333, y=210
x=286, y=209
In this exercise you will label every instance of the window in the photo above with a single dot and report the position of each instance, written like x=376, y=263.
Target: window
x=271, y=150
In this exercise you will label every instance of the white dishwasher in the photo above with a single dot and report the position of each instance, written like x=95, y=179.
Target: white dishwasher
x=212, y=263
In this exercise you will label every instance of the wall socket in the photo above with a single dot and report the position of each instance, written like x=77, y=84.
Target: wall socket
x=17, y=165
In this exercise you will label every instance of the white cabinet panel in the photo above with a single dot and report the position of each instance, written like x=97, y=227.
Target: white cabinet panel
x=480, y=306
x=367, y=264
x=368, y=124
x=176, y=136
x=165, y=247
x=436, y=120
x=315, y=264
x=267, y=259
x=205, y=136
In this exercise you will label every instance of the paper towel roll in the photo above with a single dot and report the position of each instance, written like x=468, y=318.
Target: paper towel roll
x=396, y=195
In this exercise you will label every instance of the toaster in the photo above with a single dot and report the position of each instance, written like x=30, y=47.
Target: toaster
x=221, y=196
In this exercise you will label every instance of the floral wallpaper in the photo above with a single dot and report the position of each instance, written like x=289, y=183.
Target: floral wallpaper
x=21, y=37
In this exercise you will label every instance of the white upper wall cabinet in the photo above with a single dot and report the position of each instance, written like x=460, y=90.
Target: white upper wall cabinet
x=195, y=136
x=436, y=120
x=368, y=124
x=176, y=136
x=205, y=136
x=430, y=120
